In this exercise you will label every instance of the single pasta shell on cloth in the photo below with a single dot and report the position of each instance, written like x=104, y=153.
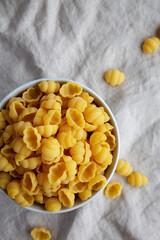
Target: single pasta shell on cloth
x=150, y=45
x=114, y=77
x=40, y=234
x=70, y=90
x=75, y=118
x=137, y=179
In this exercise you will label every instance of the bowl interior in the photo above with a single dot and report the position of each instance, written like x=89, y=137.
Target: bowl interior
x=100, y=102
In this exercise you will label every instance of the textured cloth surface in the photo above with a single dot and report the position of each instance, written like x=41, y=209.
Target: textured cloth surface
x=80, y=40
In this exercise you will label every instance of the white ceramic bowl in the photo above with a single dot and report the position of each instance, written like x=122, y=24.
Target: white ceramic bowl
x=99, y=101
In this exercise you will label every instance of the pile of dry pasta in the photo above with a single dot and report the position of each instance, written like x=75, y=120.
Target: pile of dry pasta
x=55, y=144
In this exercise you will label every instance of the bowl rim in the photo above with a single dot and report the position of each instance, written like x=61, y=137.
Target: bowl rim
x=22, y=88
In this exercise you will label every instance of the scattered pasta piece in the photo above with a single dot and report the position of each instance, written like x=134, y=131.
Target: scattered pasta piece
x=150, y=45
x=123, y=168
x=137, y=179
x=114, y=77
x=40, y=234
x=113, y=189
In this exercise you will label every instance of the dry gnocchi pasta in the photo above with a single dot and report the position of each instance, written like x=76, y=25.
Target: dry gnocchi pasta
x=137, y=179
x=150, y=45
x=123, y=168
x=113, y=189
x=40, y=234
x=114, y=77
x=55, y=146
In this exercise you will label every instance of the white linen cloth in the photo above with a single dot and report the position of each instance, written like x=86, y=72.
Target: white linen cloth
x=80, y=40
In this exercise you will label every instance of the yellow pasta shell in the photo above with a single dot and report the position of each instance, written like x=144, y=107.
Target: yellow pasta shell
x=75, y=118
x=150, y=45
x=13, y=188
x=40, y=234
x=66, y=197
x=113, y=190
x=52, y=204
x=87, y=171
x=20, y=147
x=66, y=140
x=39, y=117
x=86, y=97
x=29, y=183
x=24, y=199
x=137, y=179
x=94, y=115
x=52, y=117
x=123, y=168
x=32, y=138
x=114, y=77
x=15, y=109
x=97, y=138
x=100, y=152
x=5, y=178
x=51, y=150
x=28, y=114
x=8, y=134
x=20, y=126
x=77, y=186
x=57, y=173
x=70, y=90
x=97, y=182
x=49, y=86
x=87, y=193
x=5, y=165
x=32, y=94
x=2, y=121
x=77, y=102
x=47, y=130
